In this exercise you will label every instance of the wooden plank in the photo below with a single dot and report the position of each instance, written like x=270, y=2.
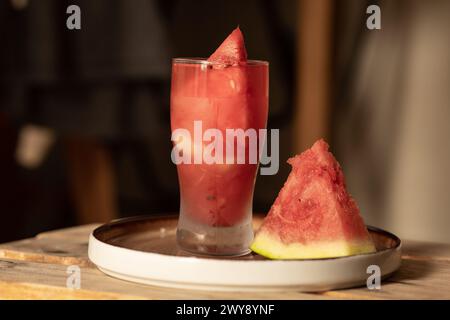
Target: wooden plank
x=416, y=279
x=76, y=233
x=47, y=251
x=33, y=278
x=424, y=274
x=51, y=248
x=42, y=261
x=30, y=291
x=66, y=246
x=418, y=250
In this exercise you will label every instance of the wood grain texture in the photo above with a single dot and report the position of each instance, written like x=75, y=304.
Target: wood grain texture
x=416, y=250
x=36, y=269
x=32, y=291
x=66, y=247
x=75, y=233
x=54, y=277
x=416, y=279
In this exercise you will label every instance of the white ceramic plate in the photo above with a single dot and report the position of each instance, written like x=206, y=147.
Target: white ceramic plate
x=143, y=249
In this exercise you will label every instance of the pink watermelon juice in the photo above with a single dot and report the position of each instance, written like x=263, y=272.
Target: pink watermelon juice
x=224, y=92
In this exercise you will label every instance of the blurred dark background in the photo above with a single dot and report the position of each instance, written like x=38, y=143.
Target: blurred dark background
x=84, y=114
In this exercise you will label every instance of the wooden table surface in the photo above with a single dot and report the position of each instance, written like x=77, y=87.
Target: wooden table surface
x=36, y=268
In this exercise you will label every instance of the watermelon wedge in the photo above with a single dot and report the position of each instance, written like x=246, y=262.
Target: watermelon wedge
x=232, y=50
x=313, y=216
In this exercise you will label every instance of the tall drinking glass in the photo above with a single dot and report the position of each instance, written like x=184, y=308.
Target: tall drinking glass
x=217, y=114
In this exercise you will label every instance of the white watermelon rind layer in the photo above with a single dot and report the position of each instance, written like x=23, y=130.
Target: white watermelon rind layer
x=272, y=248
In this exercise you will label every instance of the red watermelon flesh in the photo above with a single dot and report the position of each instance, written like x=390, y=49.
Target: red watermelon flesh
x=313, y=215
x=232, y=50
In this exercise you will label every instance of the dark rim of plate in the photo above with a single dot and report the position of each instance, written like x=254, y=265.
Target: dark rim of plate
x=100, y=231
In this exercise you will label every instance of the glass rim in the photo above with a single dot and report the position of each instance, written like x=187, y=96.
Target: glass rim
x=204, y=61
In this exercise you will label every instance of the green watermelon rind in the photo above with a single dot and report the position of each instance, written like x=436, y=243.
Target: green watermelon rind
x=273, y=248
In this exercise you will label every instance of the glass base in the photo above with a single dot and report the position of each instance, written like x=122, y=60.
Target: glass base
x=218, y=241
